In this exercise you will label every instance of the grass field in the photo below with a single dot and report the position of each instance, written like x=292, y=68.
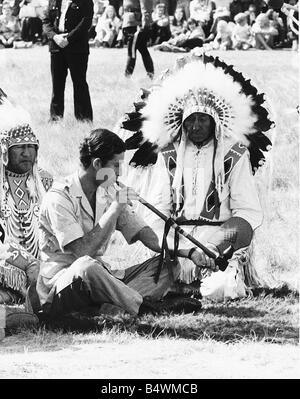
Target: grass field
x=260, y=334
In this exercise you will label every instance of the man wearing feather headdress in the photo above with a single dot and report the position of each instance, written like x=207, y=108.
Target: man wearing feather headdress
x=22, y=185
x=199, y=139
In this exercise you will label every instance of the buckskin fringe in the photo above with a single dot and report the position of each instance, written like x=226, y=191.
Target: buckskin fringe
x=13, y=277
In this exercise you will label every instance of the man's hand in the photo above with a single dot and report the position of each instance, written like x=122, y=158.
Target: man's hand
x=61, y=40
x=126, y=195
x=200, y=259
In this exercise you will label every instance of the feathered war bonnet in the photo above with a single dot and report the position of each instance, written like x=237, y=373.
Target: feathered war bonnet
x=15, y=129
x=207, y=85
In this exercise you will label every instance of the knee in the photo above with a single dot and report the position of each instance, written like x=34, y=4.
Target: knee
x=85, y=267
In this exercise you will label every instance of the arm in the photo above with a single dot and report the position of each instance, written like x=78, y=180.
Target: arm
x=245, y=209
x=146, y=9
x=148, y=237
x=90, y=243
x=48, y=26
x=85, y=23
x=60, y=214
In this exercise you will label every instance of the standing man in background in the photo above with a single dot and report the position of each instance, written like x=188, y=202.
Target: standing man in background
x=136, y=28
x=66, y=24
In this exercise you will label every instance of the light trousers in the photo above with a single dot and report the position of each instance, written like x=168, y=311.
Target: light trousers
x=87, y=283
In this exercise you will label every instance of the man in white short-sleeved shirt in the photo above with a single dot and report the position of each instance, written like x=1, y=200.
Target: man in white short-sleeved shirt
x=77, y=220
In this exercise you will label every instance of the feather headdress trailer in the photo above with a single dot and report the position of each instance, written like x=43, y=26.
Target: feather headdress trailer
x=206, y=85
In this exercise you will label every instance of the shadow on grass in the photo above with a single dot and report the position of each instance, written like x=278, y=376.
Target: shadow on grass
x=233, y=311
x=279, y=292
x=269, y=319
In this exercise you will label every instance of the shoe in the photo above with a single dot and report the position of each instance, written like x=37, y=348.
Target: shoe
x=16, y=318
x=149, y=306
x=150, y=75
x=55, y=119
x=32, y=300
x=172, y=304
x=182, y=305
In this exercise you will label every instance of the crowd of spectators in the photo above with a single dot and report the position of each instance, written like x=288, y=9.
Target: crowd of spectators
x=178, y=25
x=240, y=26
x=21, y=23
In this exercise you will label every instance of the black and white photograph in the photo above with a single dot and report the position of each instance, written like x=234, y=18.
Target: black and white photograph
x=149, y=194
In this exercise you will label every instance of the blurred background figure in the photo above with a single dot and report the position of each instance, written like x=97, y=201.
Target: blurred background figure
x=67, y=26
x=251, y=14
x=277, y=23
x=242, y=38
x=178, y=23
x=161, y=24
x=136, y=27
x=107, y=28
x=9, y=26
x=30, y=15
x=202, y=12
x=220, y=14
x=193, y=37
x=223, y=40
x=264, y=32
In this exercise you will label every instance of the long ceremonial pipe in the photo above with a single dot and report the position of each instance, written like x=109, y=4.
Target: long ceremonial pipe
x=220, y=261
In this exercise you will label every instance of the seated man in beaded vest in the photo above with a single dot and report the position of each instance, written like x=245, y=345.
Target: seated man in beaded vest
x=22, y=185
x=200, y=139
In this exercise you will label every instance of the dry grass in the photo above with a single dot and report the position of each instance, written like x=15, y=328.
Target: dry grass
x=249, y=324
x=25, y=75
x=241, y=339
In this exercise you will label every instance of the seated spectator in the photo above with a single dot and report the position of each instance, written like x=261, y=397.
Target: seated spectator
x=178, y=23
x=99, y=7
x=223, y=40
x=264, y=32
x=277, y=23
x=31, y=13
x=108, y=27
x=120, y=38
x=193, y=37
x=221, y=14
x=242, y=38
x=160, y=31
x=117, y=5
x=202, y=12
x=292, y=25
x=9, y=27
x=251, y=14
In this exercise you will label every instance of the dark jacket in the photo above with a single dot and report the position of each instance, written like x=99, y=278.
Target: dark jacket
x=78, y=21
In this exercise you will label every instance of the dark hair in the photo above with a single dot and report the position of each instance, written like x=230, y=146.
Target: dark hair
x=102, y=144
x=192, y=21
x=179, y=23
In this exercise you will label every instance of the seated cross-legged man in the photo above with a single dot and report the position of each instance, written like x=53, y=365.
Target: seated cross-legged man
x=22, y=185
x=78, y=217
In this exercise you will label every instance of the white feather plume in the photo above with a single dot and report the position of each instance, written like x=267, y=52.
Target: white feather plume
x=193, y=76
x=12, y=115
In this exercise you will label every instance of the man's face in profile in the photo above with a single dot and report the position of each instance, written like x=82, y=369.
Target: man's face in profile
x=108, y=174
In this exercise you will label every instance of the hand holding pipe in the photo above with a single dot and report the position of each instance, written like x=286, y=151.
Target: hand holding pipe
x=220, y=261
